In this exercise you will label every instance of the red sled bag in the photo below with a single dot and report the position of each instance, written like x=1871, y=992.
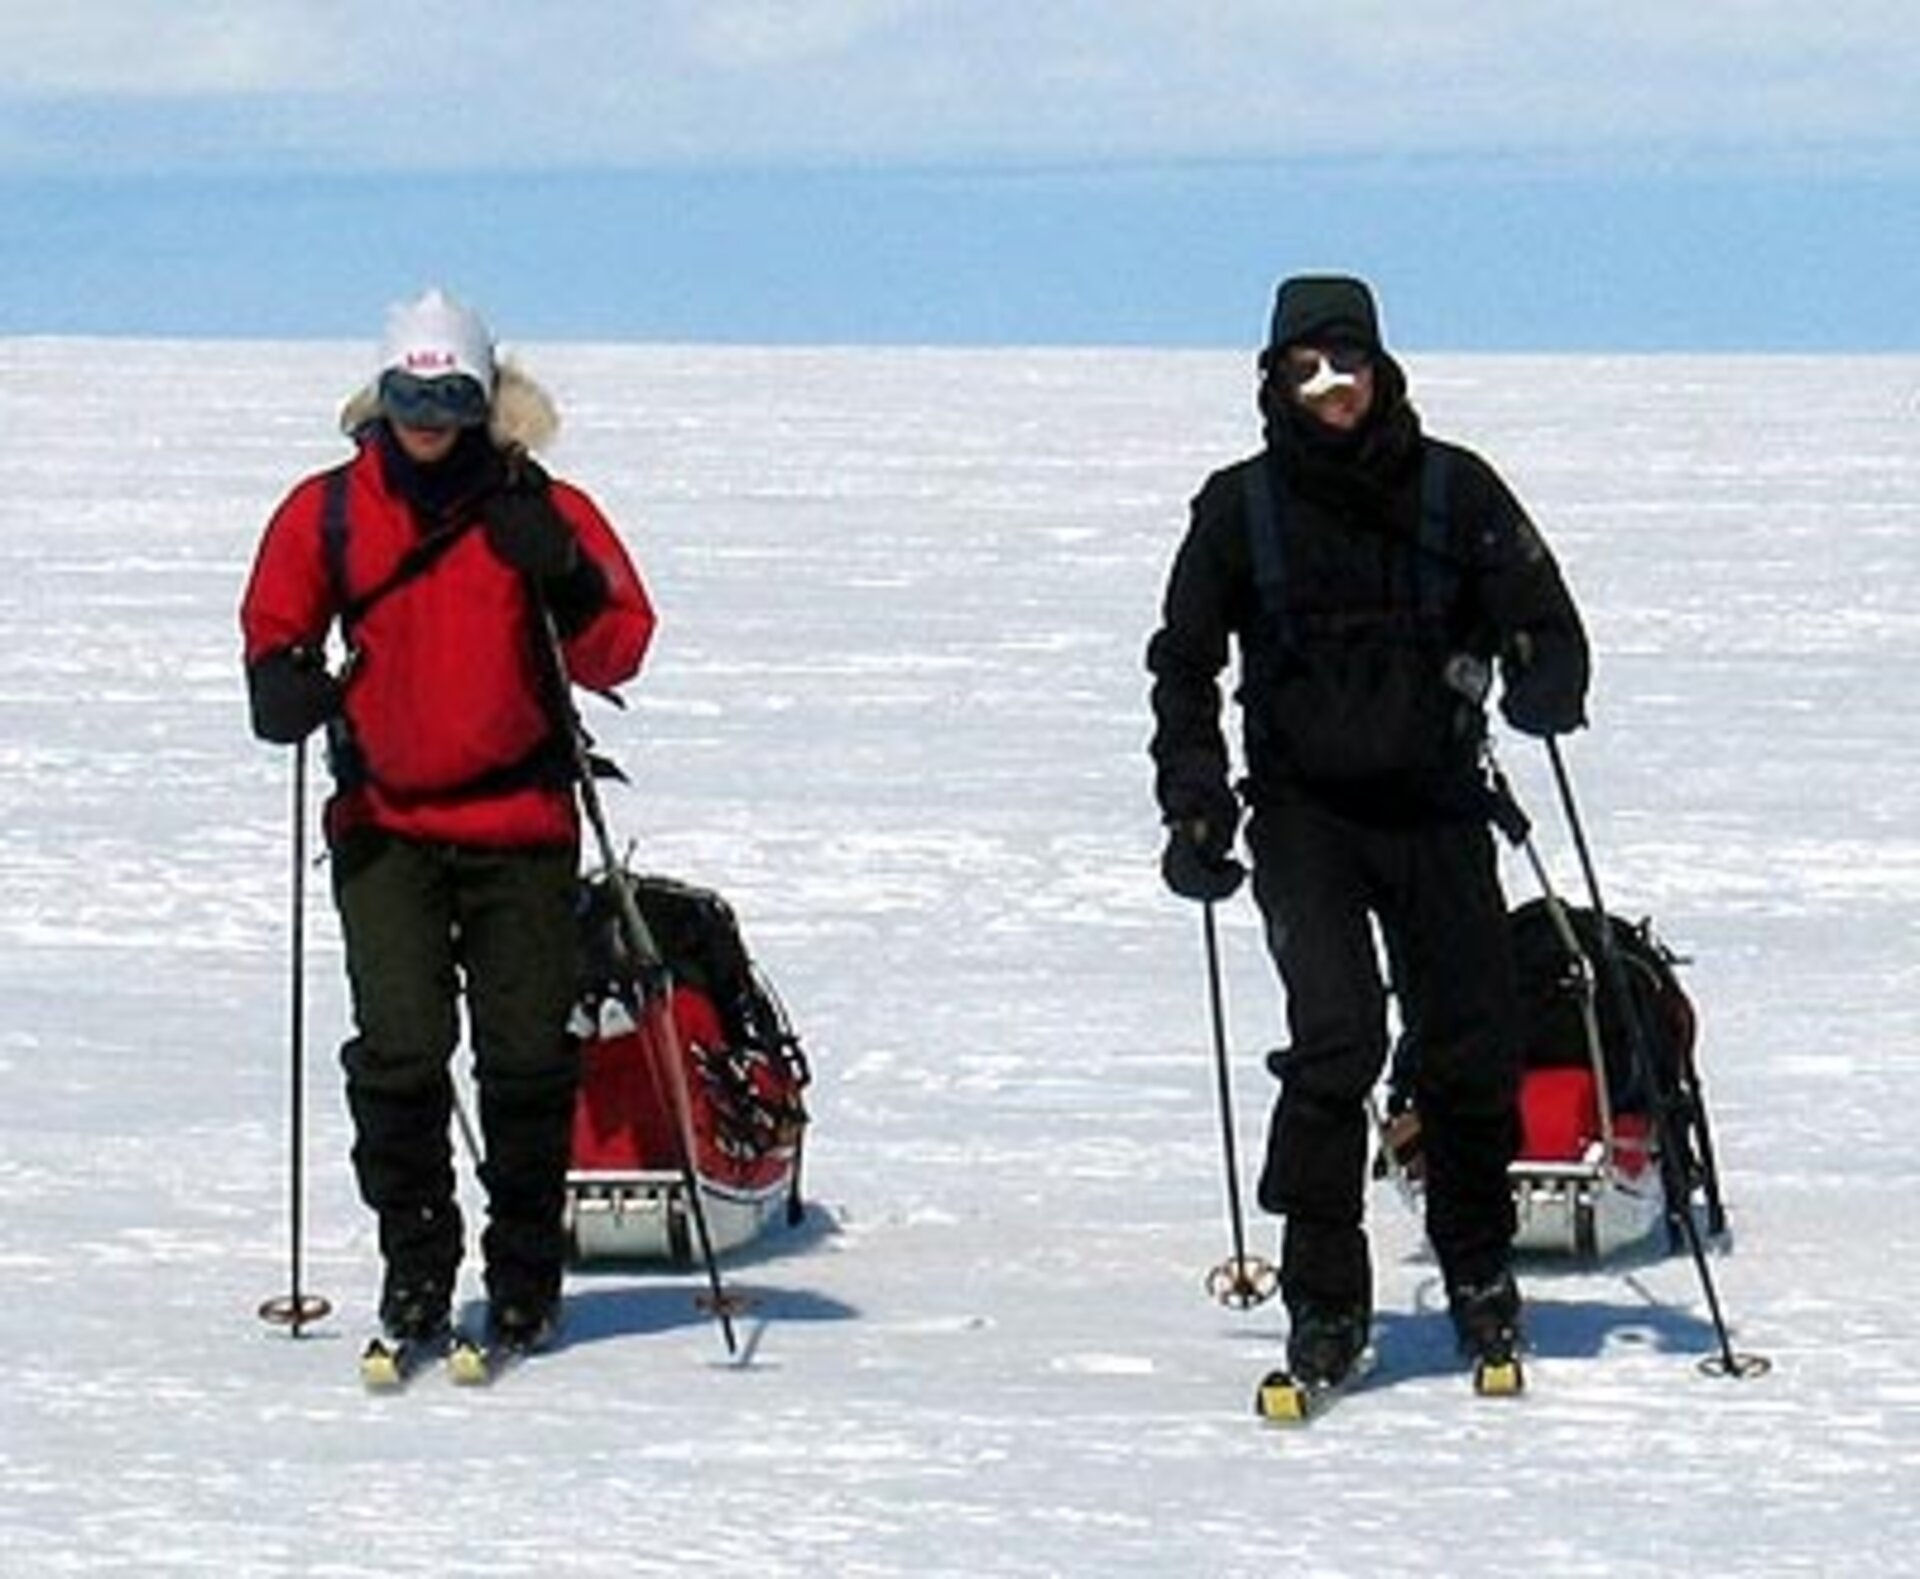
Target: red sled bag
x=689, y=1067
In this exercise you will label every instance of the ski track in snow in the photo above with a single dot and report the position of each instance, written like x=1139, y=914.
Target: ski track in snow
x=896, y=714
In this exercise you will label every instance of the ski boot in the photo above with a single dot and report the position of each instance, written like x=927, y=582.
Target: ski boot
x=1325, y=1344
x=415, y=1312
x=525, y=1324
x=1486, y=1321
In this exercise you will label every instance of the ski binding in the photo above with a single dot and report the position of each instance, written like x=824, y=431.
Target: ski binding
x=473, y=1363
x=1499, y=1376
x=388, y=1364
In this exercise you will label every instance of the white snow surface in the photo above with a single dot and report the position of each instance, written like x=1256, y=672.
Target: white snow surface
x=896, y=713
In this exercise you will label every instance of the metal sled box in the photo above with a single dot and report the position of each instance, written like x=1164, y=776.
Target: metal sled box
x=644, y=1216
x=1582, y=1208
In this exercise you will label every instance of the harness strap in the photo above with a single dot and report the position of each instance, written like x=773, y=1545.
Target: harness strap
x=547, y=766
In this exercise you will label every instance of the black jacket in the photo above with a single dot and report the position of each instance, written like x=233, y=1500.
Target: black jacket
x=1345, y=657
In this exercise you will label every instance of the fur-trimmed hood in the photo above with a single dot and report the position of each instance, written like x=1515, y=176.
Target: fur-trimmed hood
x=524, y=415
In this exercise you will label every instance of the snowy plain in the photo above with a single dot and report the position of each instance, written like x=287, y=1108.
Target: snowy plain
x=896, y=713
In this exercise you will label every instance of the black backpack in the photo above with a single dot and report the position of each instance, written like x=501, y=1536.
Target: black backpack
x=1552, y=1026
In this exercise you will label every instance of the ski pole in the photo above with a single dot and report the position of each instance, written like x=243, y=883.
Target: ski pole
x=1243, y=1281
x=642, y=948
x=296, y=1309
x=1678, y=1191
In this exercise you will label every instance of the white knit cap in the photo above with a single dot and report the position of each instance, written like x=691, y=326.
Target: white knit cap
x=436, y=336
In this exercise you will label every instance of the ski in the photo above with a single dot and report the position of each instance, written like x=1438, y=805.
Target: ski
x=388, y=1364
x=1283, y=1399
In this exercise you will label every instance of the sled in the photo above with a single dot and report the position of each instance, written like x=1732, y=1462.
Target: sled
x=1590, y=1178
x=690, y=1075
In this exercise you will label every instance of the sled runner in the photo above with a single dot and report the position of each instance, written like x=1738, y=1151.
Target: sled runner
x=692, y=1045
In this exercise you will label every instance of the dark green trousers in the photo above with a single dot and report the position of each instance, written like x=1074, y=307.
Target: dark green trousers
x=429, y=927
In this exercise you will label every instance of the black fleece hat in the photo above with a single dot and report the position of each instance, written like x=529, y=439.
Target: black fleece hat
x=1330, y=308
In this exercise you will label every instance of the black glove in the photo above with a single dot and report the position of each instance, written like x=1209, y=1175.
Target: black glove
x=1198, y=862
x=1540, y=695
x=1194, y=868
x=577, y=596
x=524, y=528
x=291, y=694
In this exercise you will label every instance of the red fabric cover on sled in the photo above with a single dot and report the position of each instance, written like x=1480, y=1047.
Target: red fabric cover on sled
x=1560, y=1119
x=624, y=1121
x=1559, y=1114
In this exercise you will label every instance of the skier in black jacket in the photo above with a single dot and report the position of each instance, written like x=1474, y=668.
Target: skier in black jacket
x=1374, y=579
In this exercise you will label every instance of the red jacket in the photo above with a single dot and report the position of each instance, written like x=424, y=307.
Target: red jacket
x=443, y=689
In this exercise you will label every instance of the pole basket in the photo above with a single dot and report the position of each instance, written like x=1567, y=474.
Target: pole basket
x=1242, y=1282
x=295, y=1312
x=1736, y=1367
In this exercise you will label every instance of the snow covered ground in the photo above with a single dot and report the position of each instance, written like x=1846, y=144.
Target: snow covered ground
x=896, y=714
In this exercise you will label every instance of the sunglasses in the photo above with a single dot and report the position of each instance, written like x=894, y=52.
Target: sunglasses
x=1313, y=371
x=452, y=400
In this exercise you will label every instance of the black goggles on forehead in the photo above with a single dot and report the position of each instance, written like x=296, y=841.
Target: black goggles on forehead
x=451, y=400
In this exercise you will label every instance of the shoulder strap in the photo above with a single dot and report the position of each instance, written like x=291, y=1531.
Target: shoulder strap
x=333, y=532
x=1434, y=571
x=1264, y=536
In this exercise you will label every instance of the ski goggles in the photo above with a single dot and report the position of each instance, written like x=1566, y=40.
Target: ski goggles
x=451, y=400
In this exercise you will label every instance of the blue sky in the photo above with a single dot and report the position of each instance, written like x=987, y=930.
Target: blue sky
x=1731, y=174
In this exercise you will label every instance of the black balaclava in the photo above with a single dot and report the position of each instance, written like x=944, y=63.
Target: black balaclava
x=439, y=491
x=1360, y=465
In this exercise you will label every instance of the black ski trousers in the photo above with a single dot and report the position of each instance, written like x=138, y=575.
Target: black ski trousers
x=425, y=925
x=1322, y=883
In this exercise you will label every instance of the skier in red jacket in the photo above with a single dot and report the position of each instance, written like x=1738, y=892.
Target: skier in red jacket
x=453, y=827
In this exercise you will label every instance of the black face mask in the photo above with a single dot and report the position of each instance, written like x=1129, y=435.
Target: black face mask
x=1322, y=437
x=439, y=489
